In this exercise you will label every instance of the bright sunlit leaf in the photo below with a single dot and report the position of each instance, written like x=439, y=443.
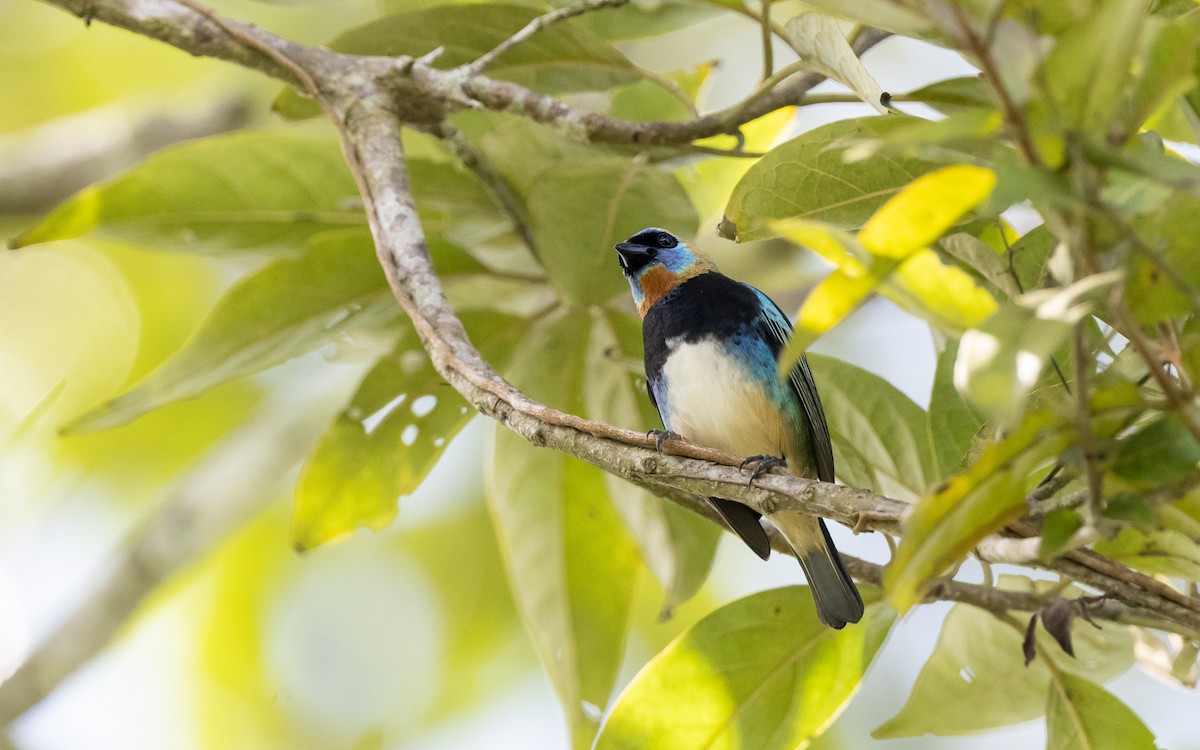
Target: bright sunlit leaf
x=759, y=673
x=289, y=307
x=923, y=211
x=944, y=526
x=388, y=438
x=838, y=295
x=920, y=283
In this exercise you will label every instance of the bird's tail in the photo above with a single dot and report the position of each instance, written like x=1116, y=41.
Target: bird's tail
x=838, y=601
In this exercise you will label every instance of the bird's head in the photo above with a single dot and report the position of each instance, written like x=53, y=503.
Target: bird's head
x=655, y=262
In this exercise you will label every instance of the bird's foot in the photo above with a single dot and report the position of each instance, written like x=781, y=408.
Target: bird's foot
x=660, y=436
x=761, y=465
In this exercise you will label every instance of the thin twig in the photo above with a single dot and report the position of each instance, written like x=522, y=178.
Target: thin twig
x=1013, y=114
x=1132, y=330
x=768, y=52
x=473, y=159
x=1083, y=426
x=536, y=25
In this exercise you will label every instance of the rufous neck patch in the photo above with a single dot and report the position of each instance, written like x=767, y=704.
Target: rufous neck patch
x=658, y=282
x=655, y=283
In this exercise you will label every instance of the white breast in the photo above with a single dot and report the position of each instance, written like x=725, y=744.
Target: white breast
x=713, y=402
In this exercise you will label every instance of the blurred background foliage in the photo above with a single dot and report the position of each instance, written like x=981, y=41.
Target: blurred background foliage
x=207, y=329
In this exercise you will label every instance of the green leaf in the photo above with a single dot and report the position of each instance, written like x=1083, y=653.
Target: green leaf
x=881, y=14
x=1081, y=715
x=1159, y=453
x=976, y=678
x=1090, y=66
x=710, y=182
x=1169, y=68
x=676, y=544
x=954, y=94
x=953, y=424
x=919, y=282
x=519, y=149
x=880, y=437
x=1031, y=255
x=760, y=673
x=819, y=41
x=977, y=256
x=622, y=196
x=808, y=177
x=245, y=191
x=920, y=213
x=1153, y=287
x=1167, y=552
x=639, y=20
x=1058, y=527
x=290, y=307
x=944, y=526
x=454, y=205
x=571, y=563
x=386, y=441
x=558, y=59
x=1000, y=362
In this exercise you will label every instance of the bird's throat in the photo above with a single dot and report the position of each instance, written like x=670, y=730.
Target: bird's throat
x=658, y=282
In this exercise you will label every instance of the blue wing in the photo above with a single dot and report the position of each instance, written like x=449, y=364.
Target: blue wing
x=777, y=329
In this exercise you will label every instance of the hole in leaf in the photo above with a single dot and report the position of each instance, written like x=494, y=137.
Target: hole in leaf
x=423, y=405
x=371, y=422
x=409, y=436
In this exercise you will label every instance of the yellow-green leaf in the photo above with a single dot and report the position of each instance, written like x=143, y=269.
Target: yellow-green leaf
x=287, y=308
x=975, y=679
x=1081, y=715
x=941, y=294
x=921, y=283
x=759, y=673
x=838, y=295
x=388, y=438
x=945, y=525
x=925, y=209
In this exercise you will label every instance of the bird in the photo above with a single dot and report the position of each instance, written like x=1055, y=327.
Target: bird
x=712, y=346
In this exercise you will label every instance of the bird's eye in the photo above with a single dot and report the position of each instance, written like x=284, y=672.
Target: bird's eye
x=666, y=240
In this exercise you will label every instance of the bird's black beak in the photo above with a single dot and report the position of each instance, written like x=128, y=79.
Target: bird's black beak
x=633, y=256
